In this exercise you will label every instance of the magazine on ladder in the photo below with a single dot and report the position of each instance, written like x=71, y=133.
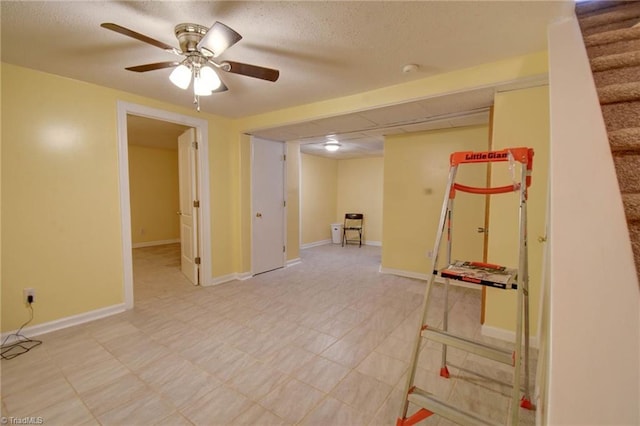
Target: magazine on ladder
x=482, y=274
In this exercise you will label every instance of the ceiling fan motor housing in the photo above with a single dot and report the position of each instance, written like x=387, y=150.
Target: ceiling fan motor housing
x=189, y=35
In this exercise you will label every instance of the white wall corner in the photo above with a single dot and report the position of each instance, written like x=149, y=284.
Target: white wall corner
x=594, y=330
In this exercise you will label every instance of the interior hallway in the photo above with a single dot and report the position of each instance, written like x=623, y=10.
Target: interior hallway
x=324, y=342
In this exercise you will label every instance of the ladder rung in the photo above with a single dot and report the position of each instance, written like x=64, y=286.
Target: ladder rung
x=441, y=408
x=487, y=351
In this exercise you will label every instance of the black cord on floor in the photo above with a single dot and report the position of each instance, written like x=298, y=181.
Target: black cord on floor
x=22, y=344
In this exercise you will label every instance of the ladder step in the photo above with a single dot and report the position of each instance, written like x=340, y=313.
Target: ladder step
x=481, y=349
x=436, y=406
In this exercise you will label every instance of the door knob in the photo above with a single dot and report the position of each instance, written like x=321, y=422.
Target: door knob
x=179, y=213
x=481, y=229
x=258, y=214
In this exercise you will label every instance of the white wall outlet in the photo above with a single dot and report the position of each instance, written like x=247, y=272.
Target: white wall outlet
x=430, y=254
x=26, y=292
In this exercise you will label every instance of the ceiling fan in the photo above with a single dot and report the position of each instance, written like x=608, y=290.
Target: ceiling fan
x=199, y=46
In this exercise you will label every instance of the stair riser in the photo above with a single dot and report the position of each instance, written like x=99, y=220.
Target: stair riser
x=632, y=207
x=628, y=171
x=625, y=140
x=610, y=62
x=616, y=75
x=634, y=233
x=613, y=48
x=621, y=116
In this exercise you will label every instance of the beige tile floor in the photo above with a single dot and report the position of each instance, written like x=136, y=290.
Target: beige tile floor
x=325, y=342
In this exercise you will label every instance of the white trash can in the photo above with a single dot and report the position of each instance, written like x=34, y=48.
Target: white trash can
x=336, y=233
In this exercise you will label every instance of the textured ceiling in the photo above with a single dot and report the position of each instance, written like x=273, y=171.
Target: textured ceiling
x=323, y=49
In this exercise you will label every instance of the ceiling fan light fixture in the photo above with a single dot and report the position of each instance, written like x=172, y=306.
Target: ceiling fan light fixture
x=181, y=76
x=209, y=78
x=332, y=145
x=200, y=87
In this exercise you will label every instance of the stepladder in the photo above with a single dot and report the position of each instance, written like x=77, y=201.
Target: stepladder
x=422, y=401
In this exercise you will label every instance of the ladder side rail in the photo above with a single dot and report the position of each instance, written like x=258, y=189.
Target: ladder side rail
x=444, y=371
x=522, y=261
x=434, y=263
x=526, y=400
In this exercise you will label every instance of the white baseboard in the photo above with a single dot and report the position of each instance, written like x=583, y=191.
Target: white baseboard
x=293, y=262
x=324, y=242
x=506, y=335
x=425, y=277
x=314, y=244
x=240, y=276
x=155, y=243
x=61, y=323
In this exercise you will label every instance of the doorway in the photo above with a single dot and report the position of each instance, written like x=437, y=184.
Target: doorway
x=202, y=214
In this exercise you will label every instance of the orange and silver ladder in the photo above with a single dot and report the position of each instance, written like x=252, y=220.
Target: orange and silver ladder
x=480, y=274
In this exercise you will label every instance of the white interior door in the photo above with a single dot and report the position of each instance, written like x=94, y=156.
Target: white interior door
x=267, y=189
x=188, y=176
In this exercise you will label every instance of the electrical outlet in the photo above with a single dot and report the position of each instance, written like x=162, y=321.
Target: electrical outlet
x=26, y=292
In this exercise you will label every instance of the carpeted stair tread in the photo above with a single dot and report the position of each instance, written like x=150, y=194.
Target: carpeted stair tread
x=627, y=11
x=622, y=92
x=610, y=27
x=588, y=8
x=621, y=115
x=618, y=60
x=612, y=36
x=632, y=207
x=628, y=171
x=625, y=140
x=613, y=48
x=616, y=75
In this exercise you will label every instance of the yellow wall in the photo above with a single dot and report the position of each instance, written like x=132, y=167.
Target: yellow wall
x=521, y=118
x=360, y=191
x=60, y=204
x=416, y=167
x=293, y=200
x=479, y=76
x=60, y=200
x=319, y=186
x=154, y=194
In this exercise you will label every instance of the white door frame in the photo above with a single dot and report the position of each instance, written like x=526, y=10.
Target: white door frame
x=202, y=134
x=284, y=213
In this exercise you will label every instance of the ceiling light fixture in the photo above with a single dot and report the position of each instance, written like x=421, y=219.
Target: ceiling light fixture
x=409, y=68
x=332, y=145
x=205, y=79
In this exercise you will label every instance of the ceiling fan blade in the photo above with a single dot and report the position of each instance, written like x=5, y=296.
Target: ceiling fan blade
x=254, y=71
x=218, y=39
x=141, y=37
x=151, y=67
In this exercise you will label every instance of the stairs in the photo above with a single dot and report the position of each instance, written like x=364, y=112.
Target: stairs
x=611, y=32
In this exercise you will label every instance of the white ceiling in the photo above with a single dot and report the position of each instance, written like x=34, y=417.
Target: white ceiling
x=323, y=49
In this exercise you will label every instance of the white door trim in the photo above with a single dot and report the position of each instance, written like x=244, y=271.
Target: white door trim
x=202, y=133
